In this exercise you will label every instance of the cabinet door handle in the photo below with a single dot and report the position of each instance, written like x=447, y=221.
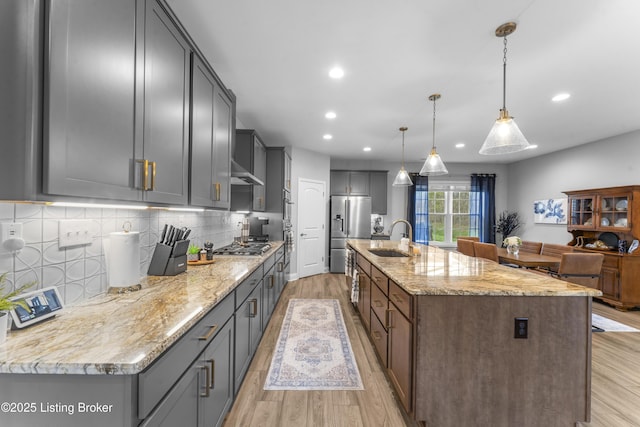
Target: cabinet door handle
x=213, y=373
x=272, y=281
x=153, y=176
x=207, y=385
x=253, y=312
x=216, y=186
x=387, y=315
x=212, y=330
x=145, y=173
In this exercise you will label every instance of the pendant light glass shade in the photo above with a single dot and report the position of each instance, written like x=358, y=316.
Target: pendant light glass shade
x=434, y=165
x=402, y=178
x=505, y=136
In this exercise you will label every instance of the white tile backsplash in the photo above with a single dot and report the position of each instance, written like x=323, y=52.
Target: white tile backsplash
x=80, y=272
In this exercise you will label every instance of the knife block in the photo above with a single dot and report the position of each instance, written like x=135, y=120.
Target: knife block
x=169, y=260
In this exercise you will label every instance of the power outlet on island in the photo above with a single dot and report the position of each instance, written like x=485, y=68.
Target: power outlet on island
x=521, y=327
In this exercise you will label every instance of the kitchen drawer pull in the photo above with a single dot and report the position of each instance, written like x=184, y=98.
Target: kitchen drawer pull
x=376, y=335
x=378, y=303
x=207, y=384
x=153, y=176
x=397, y=297
x=254, y=308
x=213, y=374
x=212, y=330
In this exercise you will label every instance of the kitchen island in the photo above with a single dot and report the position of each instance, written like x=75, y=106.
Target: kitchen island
x=133, y=358
x=466, y=341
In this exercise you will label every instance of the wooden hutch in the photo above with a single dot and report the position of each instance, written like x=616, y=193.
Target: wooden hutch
x=614, y=210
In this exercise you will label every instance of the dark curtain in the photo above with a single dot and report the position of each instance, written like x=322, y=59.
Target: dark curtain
x=418, y=208
x=483, y=205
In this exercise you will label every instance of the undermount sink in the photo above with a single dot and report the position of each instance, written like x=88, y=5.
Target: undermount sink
x=388, y=253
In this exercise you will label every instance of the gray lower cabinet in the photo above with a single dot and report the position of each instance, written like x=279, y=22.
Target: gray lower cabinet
x=89, y=99
x=204, y=394
x=211, y=136
x=248, y=320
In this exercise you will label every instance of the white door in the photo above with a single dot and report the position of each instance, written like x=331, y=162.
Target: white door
x=312, y=214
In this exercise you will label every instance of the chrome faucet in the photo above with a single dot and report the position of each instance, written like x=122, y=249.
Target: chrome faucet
x=408, y=228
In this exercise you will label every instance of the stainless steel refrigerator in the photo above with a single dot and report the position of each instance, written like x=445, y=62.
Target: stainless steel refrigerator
x=350, y=219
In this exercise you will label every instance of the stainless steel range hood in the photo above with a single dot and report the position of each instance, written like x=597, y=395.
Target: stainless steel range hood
x=240, y=176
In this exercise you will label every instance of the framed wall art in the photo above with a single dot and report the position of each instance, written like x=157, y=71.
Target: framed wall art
x=550, y=211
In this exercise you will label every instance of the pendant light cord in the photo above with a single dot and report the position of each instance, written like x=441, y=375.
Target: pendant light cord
x=403, y=148
x=433, y=146
x=504, y=76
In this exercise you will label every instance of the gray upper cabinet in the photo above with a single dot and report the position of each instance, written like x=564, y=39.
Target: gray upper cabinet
x=116, y=102
x=163, y=103
x=378, y=192
x=251, y=154
x=349, y=183
x=89, y=147
x=278, y=179
x=211, y=138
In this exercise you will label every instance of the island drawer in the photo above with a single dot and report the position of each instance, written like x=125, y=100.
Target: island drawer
x=155, y=381
x=400, y=299
x=246, y=287
x=380, y=279
x=610, y=261
x=379, y=338
x=379, y=304
x=363, y=264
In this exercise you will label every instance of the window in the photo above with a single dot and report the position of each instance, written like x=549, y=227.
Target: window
x=447, y=215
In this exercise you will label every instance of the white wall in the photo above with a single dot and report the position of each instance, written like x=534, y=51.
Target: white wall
x=309, y=165
x=606, y=163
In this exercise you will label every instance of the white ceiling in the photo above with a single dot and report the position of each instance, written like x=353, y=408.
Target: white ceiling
x=275, y=55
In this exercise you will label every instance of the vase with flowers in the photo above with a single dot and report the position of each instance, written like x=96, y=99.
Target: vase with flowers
x=513, y=244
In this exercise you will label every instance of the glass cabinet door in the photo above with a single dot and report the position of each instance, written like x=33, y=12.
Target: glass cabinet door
x=614, y=212
x=581, y=212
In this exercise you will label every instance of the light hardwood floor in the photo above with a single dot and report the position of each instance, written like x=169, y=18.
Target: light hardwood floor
x=615, y=376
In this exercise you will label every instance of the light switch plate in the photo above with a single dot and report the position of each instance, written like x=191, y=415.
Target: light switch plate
x=74, y=232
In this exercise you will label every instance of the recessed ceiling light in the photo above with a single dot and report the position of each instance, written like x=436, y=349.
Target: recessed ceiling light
x=532, y=147
x=330, y=115
x=561, y=97
x=336, y=73
x=460, y=145
x=366, y=149
x=327, y=136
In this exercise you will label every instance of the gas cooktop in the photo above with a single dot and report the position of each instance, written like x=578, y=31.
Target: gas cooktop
x=250, y=248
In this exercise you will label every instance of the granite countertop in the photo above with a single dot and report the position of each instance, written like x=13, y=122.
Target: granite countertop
x=122, y=334
x=441, y=272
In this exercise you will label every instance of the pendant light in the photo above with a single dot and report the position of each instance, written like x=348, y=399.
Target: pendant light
x=402, y=178
x=505, y=136
x=434, y=164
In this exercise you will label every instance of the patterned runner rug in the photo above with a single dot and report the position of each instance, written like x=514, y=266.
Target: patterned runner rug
x=603, y=324
x=313, y=351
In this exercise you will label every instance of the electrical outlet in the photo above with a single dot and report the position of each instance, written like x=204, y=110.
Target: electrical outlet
x=521, y=327
x=11, y=230
x=74, y=232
